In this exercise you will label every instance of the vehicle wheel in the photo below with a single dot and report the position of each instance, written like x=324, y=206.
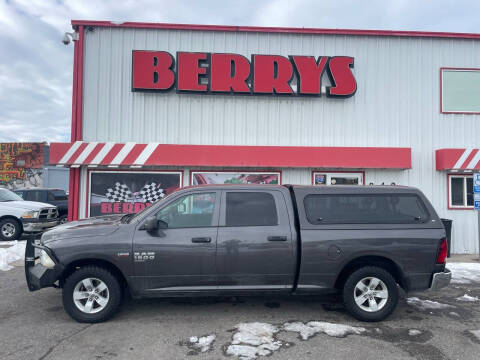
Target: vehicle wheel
x=370, y=294
x=91, y=294
x=10, y=229
x=63, y=219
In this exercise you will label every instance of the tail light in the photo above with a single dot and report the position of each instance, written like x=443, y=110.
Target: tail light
x=442, y=251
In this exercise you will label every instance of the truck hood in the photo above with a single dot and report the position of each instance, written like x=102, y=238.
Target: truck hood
x=24, y=205
x=92, y=227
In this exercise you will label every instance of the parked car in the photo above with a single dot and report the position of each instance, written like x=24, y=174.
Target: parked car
x=18, y=216
x=360, y=241
x=56, y=197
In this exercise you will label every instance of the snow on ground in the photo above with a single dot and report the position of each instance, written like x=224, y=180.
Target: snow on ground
x=464, y=273
x=475, y=333
x=414, y=332
x=314, y=327
x=426, y=304
x=467, y=298
x=252, y=340
x=11, y=254
x=203, y=343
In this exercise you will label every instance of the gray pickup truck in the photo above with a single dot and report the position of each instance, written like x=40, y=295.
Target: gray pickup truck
x=360, y=241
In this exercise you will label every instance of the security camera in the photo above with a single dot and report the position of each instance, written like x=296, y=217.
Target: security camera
x=67, y=37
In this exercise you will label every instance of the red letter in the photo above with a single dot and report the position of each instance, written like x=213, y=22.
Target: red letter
x=139, y=206
x=341, y=77
x=189, y=71
x=272, y=73
x=105, y=208
x=309, y=74
x=116, y=207
x=152, y=70
x=127, y=207
x=229, y=72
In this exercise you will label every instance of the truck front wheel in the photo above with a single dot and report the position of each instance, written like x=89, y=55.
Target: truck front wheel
x=370, y=294
x=91, y=294
x=10, y=229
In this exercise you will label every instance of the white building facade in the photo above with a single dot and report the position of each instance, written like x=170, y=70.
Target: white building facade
x=157, y=106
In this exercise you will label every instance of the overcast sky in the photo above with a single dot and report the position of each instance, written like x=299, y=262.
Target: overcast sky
x=36, y=68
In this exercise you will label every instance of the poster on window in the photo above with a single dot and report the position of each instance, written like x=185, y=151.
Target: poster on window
x=210, y=177
x=113, y=192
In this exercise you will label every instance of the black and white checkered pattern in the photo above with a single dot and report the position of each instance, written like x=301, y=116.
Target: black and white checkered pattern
x=151, y=193
x=120, y=192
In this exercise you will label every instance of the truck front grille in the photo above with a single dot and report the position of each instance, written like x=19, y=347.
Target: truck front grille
x=48, y=213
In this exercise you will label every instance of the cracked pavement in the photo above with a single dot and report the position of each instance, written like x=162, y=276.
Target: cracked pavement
x=34, y=326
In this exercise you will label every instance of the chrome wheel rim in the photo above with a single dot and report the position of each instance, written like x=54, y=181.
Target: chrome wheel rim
x=63, y=220
x=8, y=230
x=91, y=295
x=370, y=294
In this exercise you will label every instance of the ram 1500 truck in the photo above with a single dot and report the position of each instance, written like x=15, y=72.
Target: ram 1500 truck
x=362, y=241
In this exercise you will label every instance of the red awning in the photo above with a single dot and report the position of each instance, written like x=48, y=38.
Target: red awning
x=458, y=159
x=154, y=154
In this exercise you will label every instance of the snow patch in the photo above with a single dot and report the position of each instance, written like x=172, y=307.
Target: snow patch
x=427, y=304
x=311, y=328
x=202, y=344
x=464, y=273
x=475, y=333
x=414, y=332
x=11, y=254
x=468, y=298
x=252, y=340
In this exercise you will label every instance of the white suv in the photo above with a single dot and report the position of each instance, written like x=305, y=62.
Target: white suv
x=18, y=216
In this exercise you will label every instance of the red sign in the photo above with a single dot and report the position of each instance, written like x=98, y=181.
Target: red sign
x=232, y=73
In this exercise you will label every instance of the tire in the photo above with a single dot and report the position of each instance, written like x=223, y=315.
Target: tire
x=63, y=219
x=107, y=300
x=10, y=229
x=359, y=286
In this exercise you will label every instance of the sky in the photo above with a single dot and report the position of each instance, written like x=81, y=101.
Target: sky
x=36, y=68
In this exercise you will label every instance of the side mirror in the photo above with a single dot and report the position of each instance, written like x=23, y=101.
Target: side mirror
x=162, y=224
x=150, y=224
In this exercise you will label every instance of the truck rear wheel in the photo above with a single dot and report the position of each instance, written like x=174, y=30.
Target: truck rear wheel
x=91, y=294
x=370, y=294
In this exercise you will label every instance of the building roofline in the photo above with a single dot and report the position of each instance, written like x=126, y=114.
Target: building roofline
x=282, y=30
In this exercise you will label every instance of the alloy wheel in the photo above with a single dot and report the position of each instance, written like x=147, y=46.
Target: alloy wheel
x=91, y=295
x=371, y=294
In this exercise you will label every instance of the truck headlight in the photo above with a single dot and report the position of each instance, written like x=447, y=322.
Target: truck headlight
x=30, y=215
x=46, y=260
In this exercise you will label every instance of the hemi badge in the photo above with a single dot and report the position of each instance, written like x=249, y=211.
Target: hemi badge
x=122, y=254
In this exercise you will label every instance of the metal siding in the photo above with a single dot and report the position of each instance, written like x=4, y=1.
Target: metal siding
x=396, y=104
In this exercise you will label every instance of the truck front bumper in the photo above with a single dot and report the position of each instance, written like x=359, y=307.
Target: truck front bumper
x=441, y=279
x=35, y=225
x=37, y=275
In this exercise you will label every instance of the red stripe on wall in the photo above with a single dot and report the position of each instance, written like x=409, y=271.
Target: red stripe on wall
x=111, y=154
x=93, y=153
x=469, y=158
x=57, y=150
x=281, y=156
x=446, y=158
x=133, y=154
x=76, y=153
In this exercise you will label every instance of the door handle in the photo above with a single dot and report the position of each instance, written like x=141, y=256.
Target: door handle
x=201, y=240
x=277, y=238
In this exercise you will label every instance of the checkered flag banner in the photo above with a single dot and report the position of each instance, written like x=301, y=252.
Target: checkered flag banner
x=151, y=193
x=120, y=192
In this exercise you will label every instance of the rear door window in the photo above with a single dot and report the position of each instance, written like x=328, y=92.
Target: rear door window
x=250, y=209
x=365, y=209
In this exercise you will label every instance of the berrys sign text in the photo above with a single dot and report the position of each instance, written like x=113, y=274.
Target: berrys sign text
x=233, y=73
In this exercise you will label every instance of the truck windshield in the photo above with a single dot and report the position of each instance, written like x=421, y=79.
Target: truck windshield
x=7, y=195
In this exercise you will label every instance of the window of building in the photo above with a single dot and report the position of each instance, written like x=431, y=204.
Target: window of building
x=226, y=177
x=340, y=178
x=460, y=189
x=460, y=90
x=193, y=210
x=250, y=209
x=365, y=209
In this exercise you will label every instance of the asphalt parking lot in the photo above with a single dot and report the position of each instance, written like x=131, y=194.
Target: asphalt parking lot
x=34, y=326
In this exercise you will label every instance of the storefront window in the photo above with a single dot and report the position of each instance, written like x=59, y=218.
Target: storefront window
x=117, y=192
x=461, y=191
x=326, y=178
x=211, y=177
